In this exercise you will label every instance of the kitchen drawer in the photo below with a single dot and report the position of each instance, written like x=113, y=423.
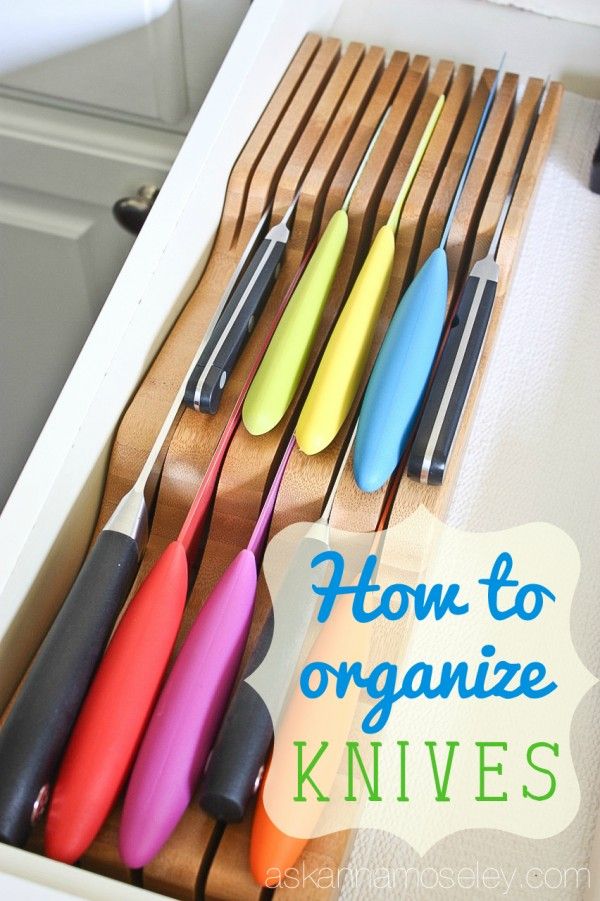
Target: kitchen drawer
x=48, y=521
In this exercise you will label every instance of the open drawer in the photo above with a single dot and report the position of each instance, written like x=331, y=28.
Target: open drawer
x=49, y=519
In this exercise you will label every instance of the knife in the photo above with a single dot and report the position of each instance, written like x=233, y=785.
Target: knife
x=280, y=371
x=207, y=381
x=344, y=359
x=398, y=379
x=458, y=361
x=236, y=760
x=36, y=730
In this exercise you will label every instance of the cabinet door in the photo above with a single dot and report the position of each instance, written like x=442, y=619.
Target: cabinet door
x=60, y=251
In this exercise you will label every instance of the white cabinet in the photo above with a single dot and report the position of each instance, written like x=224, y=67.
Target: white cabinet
x=60, y=250
x=95, y=99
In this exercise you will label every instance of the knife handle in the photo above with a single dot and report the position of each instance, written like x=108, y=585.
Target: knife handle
x=399, y=377
x=206, y=384
x=116, y=709
x=450, y=387
x=187, y=715
x=280, y=371
x=342, y=365
x=36, y=731
x=242, y=744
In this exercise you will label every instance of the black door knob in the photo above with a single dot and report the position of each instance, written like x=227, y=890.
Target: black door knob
x=131, y=212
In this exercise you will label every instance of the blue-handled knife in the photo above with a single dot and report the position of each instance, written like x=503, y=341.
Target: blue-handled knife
x=399, y=377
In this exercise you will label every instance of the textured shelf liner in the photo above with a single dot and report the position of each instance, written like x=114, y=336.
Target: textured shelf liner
x=534, y=454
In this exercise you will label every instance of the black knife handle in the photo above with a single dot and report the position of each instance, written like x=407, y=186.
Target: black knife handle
x=36, y=731
x=242, y=744
x=445, y=403
x=206, y=384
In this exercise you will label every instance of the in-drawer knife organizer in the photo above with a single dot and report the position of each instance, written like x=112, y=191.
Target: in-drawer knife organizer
x=334, y=108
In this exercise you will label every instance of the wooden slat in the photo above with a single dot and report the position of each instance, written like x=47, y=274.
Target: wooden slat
x=336, y=145
x=506, y=167
x=382, y=97
x=315, y=130
x=439, y=84
x=272, y=164
x=363, y=207
x=458, y=155
x=464, y=228
x=238, y=186
x=418, y=202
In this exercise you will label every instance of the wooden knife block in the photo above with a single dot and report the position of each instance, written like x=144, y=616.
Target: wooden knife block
x=311, y=137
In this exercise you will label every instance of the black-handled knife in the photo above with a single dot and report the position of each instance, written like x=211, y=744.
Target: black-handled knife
x=205, y=386
x=233, y=770
x=450, y=387
x=451, y=383
x=36, y=731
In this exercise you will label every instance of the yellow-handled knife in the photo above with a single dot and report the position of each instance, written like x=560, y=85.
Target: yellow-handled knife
x=342, y=365
x=278, y=376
